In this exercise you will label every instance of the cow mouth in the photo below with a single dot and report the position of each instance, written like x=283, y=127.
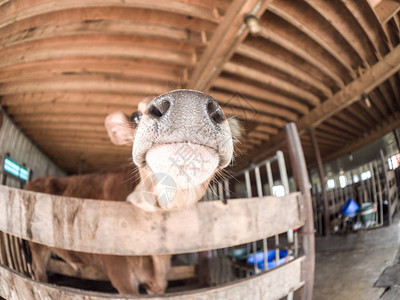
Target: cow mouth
x=188, y=164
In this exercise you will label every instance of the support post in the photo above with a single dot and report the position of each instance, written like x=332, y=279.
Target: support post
x=397, y=139
x=322, y=180
x=387, y=188
x=307, y=231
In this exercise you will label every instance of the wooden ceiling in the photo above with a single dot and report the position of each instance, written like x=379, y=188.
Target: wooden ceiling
x=64, y=65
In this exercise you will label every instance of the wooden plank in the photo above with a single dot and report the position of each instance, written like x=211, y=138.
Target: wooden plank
x=118, y=27
x=250, y=73
x=59, y=267
x=252, y=104
x=83, y=225
x=245, y=89
x=349, y=95
x=87, y=83
x=226, y=38
x=25, y=9
x=375, y=134
x=268, y=285
x=335, y=18
x=40, y=51
x=283, y=66
x=90, y=65
x=75, y=97
x=370, y=25
x=387, y=9
x=318, y=39
x=303, y=54
x=374, y=76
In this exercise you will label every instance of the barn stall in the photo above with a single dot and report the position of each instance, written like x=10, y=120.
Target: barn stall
x=330, y=67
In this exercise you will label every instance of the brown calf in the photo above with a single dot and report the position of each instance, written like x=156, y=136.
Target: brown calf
x=184, y=137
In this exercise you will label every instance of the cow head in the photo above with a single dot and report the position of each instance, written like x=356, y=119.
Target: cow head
x=182, y=140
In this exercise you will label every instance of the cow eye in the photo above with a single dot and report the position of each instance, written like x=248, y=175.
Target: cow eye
x=136, y=117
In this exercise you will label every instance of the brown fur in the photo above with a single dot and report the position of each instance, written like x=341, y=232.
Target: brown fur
x=124, y=272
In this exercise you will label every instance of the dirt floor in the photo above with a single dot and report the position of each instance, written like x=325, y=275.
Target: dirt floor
x=347, y=266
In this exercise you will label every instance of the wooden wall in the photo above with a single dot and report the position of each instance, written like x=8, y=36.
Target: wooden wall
x=22, y=150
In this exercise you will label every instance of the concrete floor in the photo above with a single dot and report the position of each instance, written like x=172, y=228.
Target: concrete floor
x=347, y=266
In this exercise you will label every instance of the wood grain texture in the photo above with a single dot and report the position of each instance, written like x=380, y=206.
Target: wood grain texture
x=85, y=225
x=269, y=285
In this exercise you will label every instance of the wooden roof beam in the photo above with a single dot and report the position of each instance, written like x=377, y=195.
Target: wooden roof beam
x=395, y=89
x=377, y=102
x=365, y=119
x=46, y=118
x=252, y=105
x=24, y=9
x=317, y=39
x=370, y=24
x=12, y=56
x=117, y=27
x=261, y=77
x=389, y=125
x=88, y=83
x=244, y=89
x=74, y=97
x=386, y=97
x=372, y=78
x=298, y=51
x=370, y=111
x=341, y=27
x=283, y=66
x=228, y=35
x=113, y=66
x=386, y=9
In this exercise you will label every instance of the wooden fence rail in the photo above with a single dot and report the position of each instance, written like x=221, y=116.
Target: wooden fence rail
x=84, y=225
x=269, y=285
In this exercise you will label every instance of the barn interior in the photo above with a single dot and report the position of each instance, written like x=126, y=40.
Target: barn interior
x=330, y=67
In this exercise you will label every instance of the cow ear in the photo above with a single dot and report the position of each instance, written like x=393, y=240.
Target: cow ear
x=119, y=128
x=236, y=130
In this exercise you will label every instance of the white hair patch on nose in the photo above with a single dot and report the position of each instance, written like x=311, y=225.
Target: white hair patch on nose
x=188, y=164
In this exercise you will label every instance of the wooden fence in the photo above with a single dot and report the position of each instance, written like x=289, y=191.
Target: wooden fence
x=381, y=189
x=83, y=225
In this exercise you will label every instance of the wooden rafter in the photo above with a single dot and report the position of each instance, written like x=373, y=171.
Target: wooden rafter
x=335, y=19
x=224, y=42
x=23, y=10
x=369, y=24
x=372, y=78
x=350, y=94
x=390, y=124
x=295, y=49
x=387, y=9
x=283, y=66
x=266, y=79
x=319, y=40
x=119, y=27
x=260, y=93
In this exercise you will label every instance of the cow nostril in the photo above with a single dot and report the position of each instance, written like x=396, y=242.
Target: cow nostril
x=157, y=110
x=215, y=113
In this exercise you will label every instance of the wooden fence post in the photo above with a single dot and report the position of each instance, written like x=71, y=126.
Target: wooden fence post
x=322, y=180
x=387, y=186
x=307, y=231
